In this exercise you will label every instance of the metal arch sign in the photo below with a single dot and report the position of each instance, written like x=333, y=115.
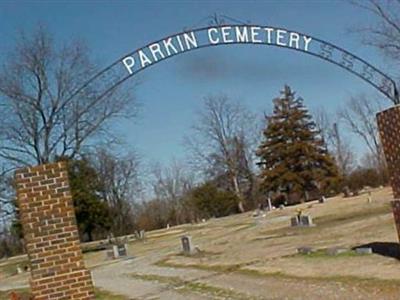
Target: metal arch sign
x=142, y=58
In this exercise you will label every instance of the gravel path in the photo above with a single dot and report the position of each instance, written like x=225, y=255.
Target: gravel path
x=117, y=279
x=139, y=278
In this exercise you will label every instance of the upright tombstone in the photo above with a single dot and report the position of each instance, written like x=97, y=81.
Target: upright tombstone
x=389, y=129
x=301, y=221
x=187, y=247
x=51, y=234
x=117, y=251
x=306, y=220
x=269, y=204
x=140, y=235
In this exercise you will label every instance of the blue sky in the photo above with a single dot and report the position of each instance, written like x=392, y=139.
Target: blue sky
x=171, y=92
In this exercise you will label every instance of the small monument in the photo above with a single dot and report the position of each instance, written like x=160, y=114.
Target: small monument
x=117, y=251
x=19, y=270
x=305, y=250
x=369, y=199
x=117, y=248
x=187, y=246
x=301, y=220
x=140, y=235
x=364, y=250
x=346, y=192
x=269, y=204
x=332, y=251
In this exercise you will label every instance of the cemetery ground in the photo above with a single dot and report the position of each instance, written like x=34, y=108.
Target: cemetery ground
x=247, y=257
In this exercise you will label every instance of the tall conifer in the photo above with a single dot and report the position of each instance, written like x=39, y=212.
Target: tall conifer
x=293, y=156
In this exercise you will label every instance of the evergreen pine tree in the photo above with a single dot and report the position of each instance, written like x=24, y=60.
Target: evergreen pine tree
x=92, y=212
x=293, y=156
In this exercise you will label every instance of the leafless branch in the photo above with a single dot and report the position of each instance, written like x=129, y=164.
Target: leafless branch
x=41, y=121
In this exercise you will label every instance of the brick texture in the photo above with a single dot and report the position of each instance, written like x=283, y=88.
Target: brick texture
x=51, y=234
x=396, y=214
x=389, y=130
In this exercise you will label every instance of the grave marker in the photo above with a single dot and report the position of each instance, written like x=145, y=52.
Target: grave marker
x=302, y=221
x=365, y=250
x=335, y=251
x=187, y=246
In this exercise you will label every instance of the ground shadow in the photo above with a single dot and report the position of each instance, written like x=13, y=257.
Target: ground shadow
x=383, y=248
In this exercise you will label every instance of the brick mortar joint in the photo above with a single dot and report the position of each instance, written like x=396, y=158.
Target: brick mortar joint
x=51, y=264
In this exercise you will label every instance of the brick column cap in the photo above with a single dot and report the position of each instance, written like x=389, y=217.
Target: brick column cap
x=389, y=108
x=40, y=168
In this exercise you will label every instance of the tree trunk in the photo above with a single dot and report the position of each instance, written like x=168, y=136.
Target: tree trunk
x=90, y=235
x=238, y=194
x=240, y=206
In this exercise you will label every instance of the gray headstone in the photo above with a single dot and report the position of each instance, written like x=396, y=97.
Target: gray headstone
x=335, y=250
x=115, y=251
x=281, y=207
x=369, y=200
x=122, y=250
x=365, y=250
x=301, y=220
x=294, y=221
x=346, y=192
x=187, y=246
x=322, y=199
x=306, y=220
x=305, y=250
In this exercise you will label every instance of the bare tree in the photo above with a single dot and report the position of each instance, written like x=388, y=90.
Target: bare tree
x=171, y=185
x=359, y=116
x=6, y=209
x=223, y=142
x=122, y=186
x=342, y=150
x=324, y=124
x=384, y=33
x=41, y=120
x=337, y=143
x=171, y=182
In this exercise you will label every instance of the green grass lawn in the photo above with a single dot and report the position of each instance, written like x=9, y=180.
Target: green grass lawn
x=11, y=268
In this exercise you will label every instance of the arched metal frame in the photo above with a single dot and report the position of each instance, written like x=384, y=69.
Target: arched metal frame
x=109, y=78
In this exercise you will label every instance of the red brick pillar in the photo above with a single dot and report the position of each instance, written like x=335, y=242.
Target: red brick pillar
x=51, y=234
x=389, y=129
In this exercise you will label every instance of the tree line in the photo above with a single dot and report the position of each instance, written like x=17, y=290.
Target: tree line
x=236, y=159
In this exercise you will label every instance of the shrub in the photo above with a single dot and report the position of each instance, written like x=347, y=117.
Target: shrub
x=362, y=177
x=212, y=202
